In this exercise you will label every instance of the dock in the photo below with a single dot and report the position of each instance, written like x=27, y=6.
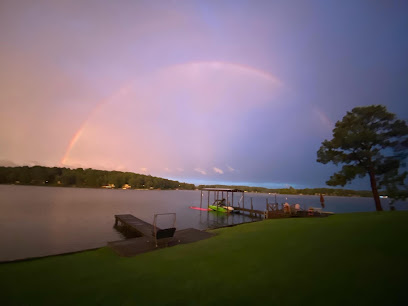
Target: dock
x=252, y=212
x=220, y=194
x=136, y=224
x=272, y=212
x=147, y=242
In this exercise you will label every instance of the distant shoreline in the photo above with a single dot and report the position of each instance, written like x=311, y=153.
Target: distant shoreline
x=84, y=187
x=139, y=189
x=92, y=178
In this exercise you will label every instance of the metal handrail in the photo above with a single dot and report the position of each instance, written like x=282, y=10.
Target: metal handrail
x=155, y=223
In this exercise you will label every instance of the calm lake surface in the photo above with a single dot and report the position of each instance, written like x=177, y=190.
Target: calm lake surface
x=41, y=221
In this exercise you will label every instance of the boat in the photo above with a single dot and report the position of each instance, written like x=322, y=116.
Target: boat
x=383, y=197
x=219, y=205
x=221, y=208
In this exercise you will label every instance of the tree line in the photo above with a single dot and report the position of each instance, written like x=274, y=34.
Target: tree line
x=39, y=175
x=55, y=176
x=291, y=190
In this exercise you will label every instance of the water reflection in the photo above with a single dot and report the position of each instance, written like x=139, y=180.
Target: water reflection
x=207, y=220
x=215, y=219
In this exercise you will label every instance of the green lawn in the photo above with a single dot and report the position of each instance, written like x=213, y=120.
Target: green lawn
x=357, y=259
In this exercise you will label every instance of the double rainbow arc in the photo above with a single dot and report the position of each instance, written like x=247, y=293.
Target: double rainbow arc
x=196, y=66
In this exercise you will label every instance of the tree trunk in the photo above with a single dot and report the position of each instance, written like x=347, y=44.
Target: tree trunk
x=376, y=197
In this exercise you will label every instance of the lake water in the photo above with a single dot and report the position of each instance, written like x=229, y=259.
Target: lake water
x=41, y=221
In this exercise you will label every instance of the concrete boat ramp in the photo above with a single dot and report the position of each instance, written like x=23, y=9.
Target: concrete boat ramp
x=148, y=241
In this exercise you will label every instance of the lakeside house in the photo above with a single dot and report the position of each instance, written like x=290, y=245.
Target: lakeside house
x=109, y=186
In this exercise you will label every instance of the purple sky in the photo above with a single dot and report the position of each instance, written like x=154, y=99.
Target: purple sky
x=237, y=92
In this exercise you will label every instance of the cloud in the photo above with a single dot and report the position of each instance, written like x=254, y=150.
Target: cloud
x=167, y=169
x=7, y=163
x=121, y=168
x=199, y=170
x=230, y=169
x=144, y=170
x=218, y=170
x=180, y=169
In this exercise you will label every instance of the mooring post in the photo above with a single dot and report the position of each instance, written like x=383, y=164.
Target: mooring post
x=201, y=199
x=208, y=199
x=227, y=198
x=251, y=208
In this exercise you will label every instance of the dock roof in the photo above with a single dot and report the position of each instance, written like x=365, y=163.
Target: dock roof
x=222, y=189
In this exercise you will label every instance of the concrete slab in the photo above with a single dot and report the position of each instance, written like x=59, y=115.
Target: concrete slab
x=135, y=246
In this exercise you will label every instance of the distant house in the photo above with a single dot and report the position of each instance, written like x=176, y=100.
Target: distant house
x=109, y=186
x=126, y=186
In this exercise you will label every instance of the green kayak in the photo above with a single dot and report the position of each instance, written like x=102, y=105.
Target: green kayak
x=221, y=208
x=218, y=208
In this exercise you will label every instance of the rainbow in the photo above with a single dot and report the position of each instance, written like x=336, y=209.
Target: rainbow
x=79, y=132
x=227, y=65
x=238, y=68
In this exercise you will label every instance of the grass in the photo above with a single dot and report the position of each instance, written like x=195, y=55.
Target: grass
x=359, y=259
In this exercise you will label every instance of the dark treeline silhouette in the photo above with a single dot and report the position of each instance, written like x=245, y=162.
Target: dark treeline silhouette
x=55, y=176
x=46, y=176
x=291, y=190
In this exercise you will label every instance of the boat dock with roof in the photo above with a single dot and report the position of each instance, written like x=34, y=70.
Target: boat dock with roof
x=226, y=196
x=272, y=211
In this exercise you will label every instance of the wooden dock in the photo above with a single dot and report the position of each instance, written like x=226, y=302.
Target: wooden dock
x=149, y=240
x=252, y=212
x=272, y=212
x=136, y=224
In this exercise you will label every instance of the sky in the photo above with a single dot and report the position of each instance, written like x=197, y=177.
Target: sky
x=205, y=92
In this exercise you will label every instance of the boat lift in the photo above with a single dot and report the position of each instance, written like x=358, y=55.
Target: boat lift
x=218, y=195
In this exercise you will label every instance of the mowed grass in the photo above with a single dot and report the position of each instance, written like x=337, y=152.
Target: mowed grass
x=358, y=259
